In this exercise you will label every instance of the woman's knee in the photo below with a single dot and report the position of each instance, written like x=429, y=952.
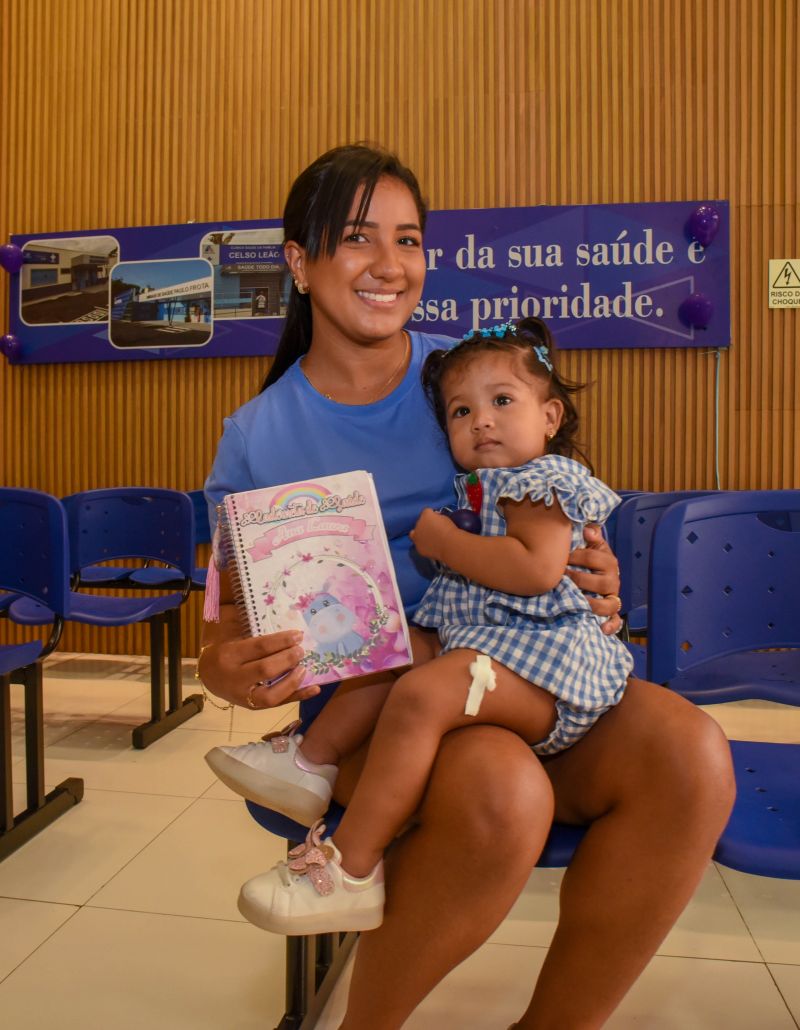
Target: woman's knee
x=488, y=782
x=705, y=768
x=689, y=759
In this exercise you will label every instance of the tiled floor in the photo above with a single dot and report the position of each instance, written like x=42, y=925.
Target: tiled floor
x=122, y=913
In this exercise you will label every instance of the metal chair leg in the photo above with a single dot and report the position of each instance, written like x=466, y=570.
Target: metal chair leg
x=34, y=735
x=42, y=808
x=6, y=783
x=161, y=720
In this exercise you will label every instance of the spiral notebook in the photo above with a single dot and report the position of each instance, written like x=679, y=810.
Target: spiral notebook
x=314, y=556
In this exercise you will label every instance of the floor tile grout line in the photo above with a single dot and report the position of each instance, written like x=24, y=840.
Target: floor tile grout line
x=780, y=992
x=166, y=915
x=658, y=954
x=141, y=850
x=105, y=908
x=41, y=944
x=160, y=833
x=741, y=913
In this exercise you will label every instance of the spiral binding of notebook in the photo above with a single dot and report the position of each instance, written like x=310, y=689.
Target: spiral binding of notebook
x=241, y=585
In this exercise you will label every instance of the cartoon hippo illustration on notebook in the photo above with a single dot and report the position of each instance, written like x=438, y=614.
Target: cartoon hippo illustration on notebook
x=331, y=624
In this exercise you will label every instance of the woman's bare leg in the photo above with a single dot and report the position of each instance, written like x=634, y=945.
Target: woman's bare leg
x=655, y=776
x=452, y=879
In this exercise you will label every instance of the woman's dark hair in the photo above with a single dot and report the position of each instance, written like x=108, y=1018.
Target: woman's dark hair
x=314, y=217
x=534, y=342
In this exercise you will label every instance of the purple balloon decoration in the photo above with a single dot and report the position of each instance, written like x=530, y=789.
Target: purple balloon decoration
x=704, y=224
x=11, y=257
x=696, y=311
x=10, y=346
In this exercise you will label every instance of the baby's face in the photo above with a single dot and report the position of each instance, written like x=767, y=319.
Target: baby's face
x=498, y=414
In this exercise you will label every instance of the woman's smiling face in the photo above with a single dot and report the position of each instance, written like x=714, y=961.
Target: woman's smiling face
x=367, y=290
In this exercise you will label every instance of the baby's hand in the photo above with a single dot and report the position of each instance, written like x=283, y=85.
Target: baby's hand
x=431, y=532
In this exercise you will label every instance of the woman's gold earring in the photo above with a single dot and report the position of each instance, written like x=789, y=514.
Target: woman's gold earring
x=301, y=287
x=551, y=434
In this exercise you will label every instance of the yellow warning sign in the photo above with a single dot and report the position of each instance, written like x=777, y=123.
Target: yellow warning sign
x=784, y=283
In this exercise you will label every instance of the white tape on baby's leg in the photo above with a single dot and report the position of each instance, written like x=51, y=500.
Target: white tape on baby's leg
x=483, y=679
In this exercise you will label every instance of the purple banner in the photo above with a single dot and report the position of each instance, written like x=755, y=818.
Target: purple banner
x=601, y=275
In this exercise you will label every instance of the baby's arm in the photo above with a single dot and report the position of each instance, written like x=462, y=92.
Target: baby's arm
x=530, y=559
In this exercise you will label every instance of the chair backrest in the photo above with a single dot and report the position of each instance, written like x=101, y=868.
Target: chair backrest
x=34, y=549
x=202, y=528
x=131, y=522
x=724, y=578
x=636, y=519
x=610, y=525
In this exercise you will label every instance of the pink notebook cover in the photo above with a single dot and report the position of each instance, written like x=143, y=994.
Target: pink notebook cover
x=314, y=556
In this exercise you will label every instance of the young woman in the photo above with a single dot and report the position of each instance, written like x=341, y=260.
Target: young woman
x=652, y=777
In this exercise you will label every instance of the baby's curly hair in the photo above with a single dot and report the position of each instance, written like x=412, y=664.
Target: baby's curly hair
x=531, y=338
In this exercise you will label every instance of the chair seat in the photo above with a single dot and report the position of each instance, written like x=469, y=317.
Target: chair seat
x=157, y=577
x=637, y=619
x=96, y=611
x=17, y=656
x=755, y=675
x=104, y=574
x=763, y=833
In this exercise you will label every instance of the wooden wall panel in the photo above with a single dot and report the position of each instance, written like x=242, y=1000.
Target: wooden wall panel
x=136, y=112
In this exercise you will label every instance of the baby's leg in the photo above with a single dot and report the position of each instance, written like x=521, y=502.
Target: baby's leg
x=350, y=715
x=346, y=720
x=423, y=705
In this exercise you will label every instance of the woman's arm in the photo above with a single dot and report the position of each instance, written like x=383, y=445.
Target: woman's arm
x=530, y=559
x=239, y=669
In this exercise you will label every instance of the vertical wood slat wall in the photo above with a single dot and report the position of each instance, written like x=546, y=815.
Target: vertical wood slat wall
x=139, y=112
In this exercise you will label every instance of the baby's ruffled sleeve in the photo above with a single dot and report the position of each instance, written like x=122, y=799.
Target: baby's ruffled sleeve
x=581, y=497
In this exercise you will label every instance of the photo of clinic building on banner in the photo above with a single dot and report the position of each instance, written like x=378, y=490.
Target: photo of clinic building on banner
x=251, y=279
x=161, y=304
x=66, y=279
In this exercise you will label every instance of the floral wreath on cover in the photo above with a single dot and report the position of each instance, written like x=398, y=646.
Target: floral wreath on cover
x=320, y=662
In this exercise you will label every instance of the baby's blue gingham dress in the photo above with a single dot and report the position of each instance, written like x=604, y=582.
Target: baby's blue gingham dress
x=553, y=640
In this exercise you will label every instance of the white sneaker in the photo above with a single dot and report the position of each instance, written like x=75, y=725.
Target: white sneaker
x=273, y=773
x=311, y=893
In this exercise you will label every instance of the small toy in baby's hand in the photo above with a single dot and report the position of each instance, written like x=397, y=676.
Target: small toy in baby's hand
x=468, y=519
x=464, y=519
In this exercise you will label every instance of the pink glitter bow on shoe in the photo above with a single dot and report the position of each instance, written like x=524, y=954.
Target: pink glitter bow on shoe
x=280, y=741
x=309, y=859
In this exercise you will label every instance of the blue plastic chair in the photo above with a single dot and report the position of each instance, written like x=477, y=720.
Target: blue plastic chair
x=132, y=522
x=156, y=577
x=33, y=564
x=149, y=576
x=636, y=519
x=723, y=597
x=724, y=626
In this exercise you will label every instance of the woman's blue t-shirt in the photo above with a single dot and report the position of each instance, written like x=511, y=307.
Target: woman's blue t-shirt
x=291, y=432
